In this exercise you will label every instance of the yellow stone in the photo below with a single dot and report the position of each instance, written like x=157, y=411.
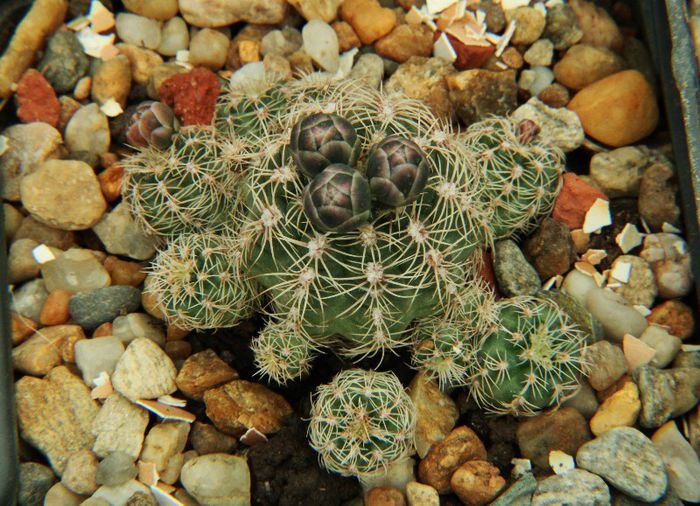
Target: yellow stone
x=618, y=410
x=618, y=110
x=370, y=20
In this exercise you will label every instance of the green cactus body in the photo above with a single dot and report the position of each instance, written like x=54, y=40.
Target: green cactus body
x=532, y=358
x=521, y=174
x=282, y=352
x=198, y=282
x=362, y=422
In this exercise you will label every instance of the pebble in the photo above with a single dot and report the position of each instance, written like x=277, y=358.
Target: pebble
x=119, y=426
x=208, y=48
x=419, y=494
x=240, y=405
x=142, y=62
x=369, y=68
x=29, y=298
x=369, y=19
x=535, y=80
x=80, y=473
x=317, y=9
x=22, y=328
x=562, y=27
x=397, y=475
x=478, y=93
x=55, y=309
x=460, y=446
x=584, y=64
x=69, y=105
x=281, y=42
x=477, y=482
x=121, y=235
x=436, y=413
x=574, y=201
x=674, y=315
x=584, y=401
x=29, y=146
x=628, y=460
x=519, y=493
x=320, y=42
x=192, y=95
x=95, y=307
x=555, y=95
x=682, y=463
x=163, y=442
x=619, y=172
x=640, y=288
x=657, y=196
x=578, y=487
x=515, y=276
x=121, y=495
x=405, y=41
x=34, y=481
x=201, y=372
x=217, y=479
x=111, y=182
x=97, y=355
x=384, y=496
x=42, y=352
x=621, y=409
x=88, y=130
x=55, y=415
x=59, y=495
x=529, y=24
x=217, y=13
x=115, y=469
x=618, y=110
x=144, y=371
x=206, y=438
x=64, y=61
x=607, y=364
x=666, y=393
x=550, y=249
x=614, y=313
x=154, y=9
x=565, y=429
x=598, y=27
x=510, y=57
x=424, y=80
x=347, y=38
x=174, y=37
x=138, y=30
x=64, y=194
x=36, y=99
x=76, y=270
x=112, y=80
x=135, y=325
x=21, y=264
x=686, y=359
x=540, y=53
x=666, y=345
x=561, y=127
x=12, y=219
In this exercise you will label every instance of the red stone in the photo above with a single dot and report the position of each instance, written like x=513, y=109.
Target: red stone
x=36, y=99
x=468, y=57
x=192, y=95
x=574, y=201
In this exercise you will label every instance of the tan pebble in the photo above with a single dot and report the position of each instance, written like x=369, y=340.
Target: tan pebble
x=43, y=351
x=142, y=61
x=112, y=79
x=249, y=51
x=419, y=494
x=209, y=48
x=55, y=310
x=406, y=41
x=123, y=272
x=384, y=496
x=82, y=88
x=583, y=65
x=477, y=482
x=111, y=182
x=347, y=38
x=604, y=394
x=149, y=300
x=581, y=240
x=108, y=159
x=69, y=106
x=618, y=410
x=22, y=328
x=104, y=330
x=68, y=349
x=618, y=110
x=301, y=62
x=178, y=350
x=368, y=18
x=512, y=58
x=598, y=27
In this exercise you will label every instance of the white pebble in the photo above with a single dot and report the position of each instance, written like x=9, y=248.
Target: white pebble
x=321, y=43
x=615, y=315
x=97, y=355
x=174, y=37
x=666, y=345
x=139, y=31
x=578, y=285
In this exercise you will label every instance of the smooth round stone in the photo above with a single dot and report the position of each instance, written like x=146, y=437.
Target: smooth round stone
x=59, y=495
x=321, y=43
x=217, y=478
x=628, y=460
x=64, y=61
x=618, y=110
x=529, y=24
x=540, y=53
x=115, y=469
x=154, y=9
x=64, y=194
x=174, y=37
x=682, y=462
x=615, y=315
x=138, y=30
x=21, y=264
x=92, y=309
x=88, y=130
x=80, y=471
x=208, y=48
x=666, y=345
x=583, y=65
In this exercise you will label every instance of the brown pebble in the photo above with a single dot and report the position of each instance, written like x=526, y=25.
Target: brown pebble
x=175, y=333
x=178, y=350
x=108, y=159
x=512, y=58
x=477, y=482
x=203, y=371
x=55, y=310
x=103, y=330
x=123, y=272
x=555, y=95
x=384, y=496
x=347, y=38
x=22, y=328
x=82, y=88
x=675, y=316
x=111, y=182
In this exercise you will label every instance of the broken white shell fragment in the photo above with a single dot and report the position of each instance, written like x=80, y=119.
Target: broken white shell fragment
x=597, y=217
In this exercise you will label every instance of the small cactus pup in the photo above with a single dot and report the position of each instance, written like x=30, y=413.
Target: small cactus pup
x=532, y=359
x=198, y=283
x=320, y=140
x=521, y=172
x=338, y=199
x=153, y=123
x=362, y=422
x=397, y=171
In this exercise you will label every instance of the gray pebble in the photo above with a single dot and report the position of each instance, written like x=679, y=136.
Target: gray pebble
x=562, y=27
x=575, y=488
x=670, y=499
x=122, y=236
x=607, y=363
x=115, y=469
x=628, y=460
x=93, y=308
x=370, y=68
x=615, y=314
x=28, y=299
x=64, y=61
x=515, y=276
x=34, y=481
x=665, y=393
x=519, y=493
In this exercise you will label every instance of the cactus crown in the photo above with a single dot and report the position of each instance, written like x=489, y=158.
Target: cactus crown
x=362, y=422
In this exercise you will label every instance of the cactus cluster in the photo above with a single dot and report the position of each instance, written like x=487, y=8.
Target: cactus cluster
x=354, y=220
